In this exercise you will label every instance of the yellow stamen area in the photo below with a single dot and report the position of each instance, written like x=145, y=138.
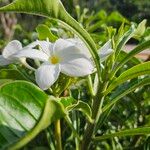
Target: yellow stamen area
x=54, y=59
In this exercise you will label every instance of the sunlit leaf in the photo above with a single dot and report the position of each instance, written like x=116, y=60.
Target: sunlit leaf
x=138, y=70
x=140, y=29
x=131, y=54
x=44, y=32
x=25, y=110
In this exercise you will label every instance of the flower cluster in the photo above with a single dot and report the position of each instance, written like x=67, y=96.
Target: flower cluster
x=68, y=56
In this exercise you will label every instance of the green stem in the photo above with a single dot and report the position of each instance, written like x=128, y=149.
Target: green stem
x=49, y=139
x=89, y=81
x=87, y=138
x=58, y=135
x=72, y=127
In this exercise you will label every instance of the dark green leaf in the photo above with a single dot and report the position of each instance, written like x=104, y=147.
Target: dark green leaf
x=124, y=90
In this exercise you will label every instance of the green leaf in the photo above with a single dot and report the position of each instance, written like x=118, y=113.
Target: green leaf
x=44, y=32
x=25, y=111
x=131, y=54
x=124, y=39
x=71, y=104
x=4, y=81
x=67, y=101
x=124, y=90
x=140, y=29
x=115, y=16
x=138, y=70
x=11, y=74
x=134, y=60
x=129, y=132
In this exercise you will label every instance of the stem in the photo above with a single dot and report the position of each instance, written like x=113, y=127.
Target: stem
x=90, y=86
x=58, y=135
x=72, y=127
x=91, y=126
x=49, y=139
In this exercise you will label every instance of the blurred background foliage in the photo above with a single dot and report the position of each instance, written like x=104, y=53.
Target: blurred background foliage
x=95, y=15
x=134, y=10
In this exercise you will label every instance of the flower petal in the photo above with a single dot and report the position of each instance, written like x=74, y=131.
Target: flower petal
x=4, y=61
x=11, y=48
x=45, y=46
x=31, y=53
x=78, y=67
x=46, y=75
x=60, y=45
x=32, y=45
x=81, y=45
x=69, y=52
x=106, y=51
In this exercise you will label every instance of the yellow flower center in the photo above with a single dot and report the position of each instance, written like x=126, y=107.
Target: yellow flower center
x=54, y=59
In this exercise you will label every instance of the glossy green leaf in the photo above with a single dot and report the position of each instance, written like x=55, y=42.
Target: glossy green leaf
x=125, y=90
x=138, y=70
x=129, y=132
x=25, y=110
x=44, y=32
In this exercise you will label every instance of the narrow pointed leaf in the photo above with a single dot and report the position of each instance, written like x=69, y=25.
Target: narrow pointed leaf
x=138, y=70
x=135, y=51
x=124, y=39
x=125, y=90
x=129, y=132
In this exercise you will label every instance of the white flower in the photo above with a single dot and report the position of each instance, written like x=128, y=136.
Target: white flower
x=10, y=50
x=104, y=52
x=61, y=56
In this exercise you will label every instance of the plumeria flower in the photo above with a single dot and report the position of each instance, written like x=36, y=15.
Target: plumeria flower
x=62, y=56
x=104, y=52
x=10, y=50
